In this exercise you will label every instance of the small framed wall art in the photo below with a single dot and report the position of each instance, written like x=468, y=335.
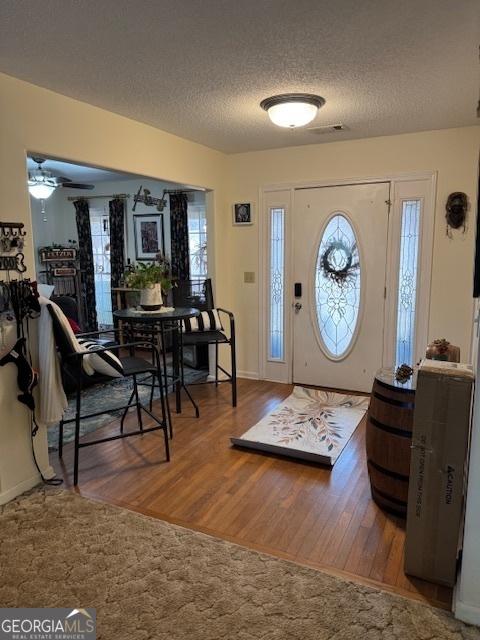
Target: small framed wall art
x=149, y=235
x=242, y=213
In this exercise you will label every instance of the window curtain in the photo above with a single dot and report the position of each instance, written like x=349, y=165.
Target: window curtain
x=85, y=255
x=117, y=244
x=179, y=236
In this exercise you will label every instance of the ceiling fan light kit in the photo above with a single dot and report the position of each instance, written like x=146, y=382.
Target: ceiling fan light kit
x=39, y=189
x=42, y=183
x=292, y=110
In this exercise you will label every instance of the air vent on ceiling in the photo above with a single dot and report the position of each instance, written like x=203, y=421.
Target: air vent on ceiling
x=328, y=128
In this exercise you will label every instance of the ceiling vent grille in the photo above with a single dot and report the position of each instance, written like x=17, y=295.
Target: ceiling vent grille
x=328, y=128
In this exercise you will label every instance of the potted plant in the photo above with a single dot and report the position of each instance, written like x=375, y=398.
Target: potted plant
x=152, y=279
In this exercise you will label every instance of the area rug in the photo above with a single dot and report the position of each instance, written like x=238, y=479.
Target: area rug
x=103, y=397
x=151, y=580
x=310, y=424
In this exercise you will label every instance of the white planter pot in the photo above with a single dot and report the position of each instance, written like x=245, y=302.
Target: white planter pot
x=151, y=298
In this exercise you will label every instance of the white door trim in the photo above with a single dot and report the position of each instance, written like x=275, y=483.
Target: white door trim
x=429, y=180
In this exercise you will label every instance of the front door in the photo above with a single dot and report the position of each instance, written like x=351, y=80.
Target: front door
x=340, y=250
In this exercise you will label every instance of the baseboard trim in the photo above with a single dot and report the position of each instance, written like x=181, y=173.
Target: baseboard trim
x=468, y=613
x=249, y=375
x=21, y=487
x=25, y=485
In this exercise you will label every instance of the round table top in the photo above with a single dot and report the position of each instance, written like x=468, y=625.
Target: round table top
x=179, y=313
x=386, y=377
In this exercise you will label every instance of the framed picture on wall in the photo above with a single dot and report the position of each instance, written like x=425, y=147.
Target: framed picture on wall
x=242, y=213
x=149, y=235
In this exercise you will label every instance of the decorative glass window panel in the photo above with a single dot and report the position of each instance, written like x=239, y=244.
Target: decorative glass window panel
x=337, y=286
x=277, y=284
x=100, y=233
x=407, y=281
x=197, y=241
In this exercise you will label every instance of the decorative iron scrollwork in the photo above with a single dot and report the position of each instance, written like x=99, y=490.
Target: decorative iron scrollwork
x=13, y=263
x=12, y=240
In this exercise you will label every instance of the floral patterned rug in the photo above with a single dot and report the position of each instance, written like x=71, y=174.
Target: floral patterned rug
x=310, y=424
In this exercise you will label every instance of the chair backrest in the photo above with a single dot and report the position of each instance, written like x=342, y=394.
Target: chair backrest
x=68, y=305
x=194, y=293
x=62, y=340
x=67, y=344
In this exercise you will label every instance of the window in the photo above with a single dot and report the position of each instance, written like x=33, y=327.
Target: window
x=337, y=286
x=277, y=283
x=100, y=231
x=197, y=241
x=407, y=281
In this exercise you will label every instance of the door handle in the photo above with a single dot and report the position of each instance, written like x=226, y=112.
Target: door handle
x=297, y=306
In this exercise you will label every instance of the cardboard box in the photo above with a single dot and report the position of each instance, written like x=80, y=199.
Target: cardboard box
x=441, y=431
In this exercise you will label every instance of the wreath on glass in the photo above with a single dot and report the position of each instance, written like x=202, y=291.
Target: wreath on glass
x=340, y=261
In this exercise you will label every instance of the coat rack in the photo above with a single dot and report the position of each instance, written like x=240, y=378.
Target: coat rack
x=11, y=247
x=18, y=296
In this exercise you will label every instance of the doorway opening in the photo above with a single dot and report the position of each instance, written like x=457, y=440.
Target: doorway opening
x=344, y=268
x=60, y=232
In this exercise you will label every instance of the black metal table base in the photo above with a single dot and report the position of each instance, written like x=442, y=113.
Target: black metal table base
x=175, y=381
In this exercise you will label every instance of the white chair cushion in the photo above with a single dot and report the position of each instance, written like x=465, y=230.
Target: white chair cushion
x=206, y=321
x=104, y=362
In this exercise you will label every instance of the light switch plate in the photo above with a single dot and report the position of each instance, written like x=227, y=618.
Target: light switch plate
x=249, y=276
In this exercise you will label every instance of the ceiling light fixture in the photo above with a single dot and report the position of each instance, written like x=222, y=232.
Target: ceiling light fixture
x=292, y=109
x=41, y=184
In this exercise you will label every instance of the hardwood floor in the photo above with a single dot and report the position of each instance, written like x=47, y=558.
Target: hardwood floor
x=303, y=512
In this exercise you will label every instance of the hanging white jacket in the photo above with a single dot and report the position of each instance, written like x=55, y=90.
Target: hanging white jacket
x=52, y=398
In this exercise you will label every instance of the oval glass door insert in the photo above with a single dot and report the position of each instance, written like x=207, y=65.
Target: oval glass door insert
x=337, y=286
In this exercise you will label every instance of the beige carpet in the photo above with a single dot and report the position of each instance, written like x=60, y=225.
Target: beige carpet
x=149, y=579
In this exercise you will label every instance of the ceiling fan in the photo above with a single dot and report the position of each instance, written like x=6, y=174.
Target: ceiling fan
x=42, y=182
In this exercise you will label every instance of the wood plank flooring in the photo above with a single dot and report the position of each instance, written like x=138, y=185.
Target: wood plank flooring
x=303, y=512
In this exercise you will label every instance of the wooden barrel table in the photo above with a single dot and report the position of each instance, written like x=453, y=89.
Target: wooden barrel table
x=389, y=439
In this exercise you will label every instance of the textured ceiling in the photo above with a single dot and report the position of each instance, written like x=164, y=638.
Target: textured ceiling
x=199, y=68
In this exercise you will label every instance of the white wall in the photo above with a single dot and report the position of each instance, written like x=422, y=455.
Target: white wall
x=467, y=593
x=33, y=119
x=452, y=153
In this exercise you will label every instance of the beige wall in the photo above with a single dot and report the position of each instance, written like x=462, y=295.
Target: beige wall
x=453, y=153
x=34, y=119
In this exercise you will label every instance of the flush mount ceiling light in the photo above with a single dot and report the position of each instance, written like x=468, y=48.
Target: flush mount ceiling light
x=292, y=110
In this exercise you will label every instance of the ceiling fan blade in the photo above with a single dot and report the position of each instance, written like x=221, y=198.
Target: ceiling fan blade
x=62, y=179
x=78, y=185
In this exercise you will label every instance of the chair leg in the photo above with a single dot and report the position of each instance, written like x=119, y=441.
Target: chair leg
x=216, y=364
x=77, y=425
x=234, y=372
x=152, y=389
x=124, y=414
x=165, y=372
x=164, y=405
x=60, y=439
x=167, y=446
x=137, y=399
